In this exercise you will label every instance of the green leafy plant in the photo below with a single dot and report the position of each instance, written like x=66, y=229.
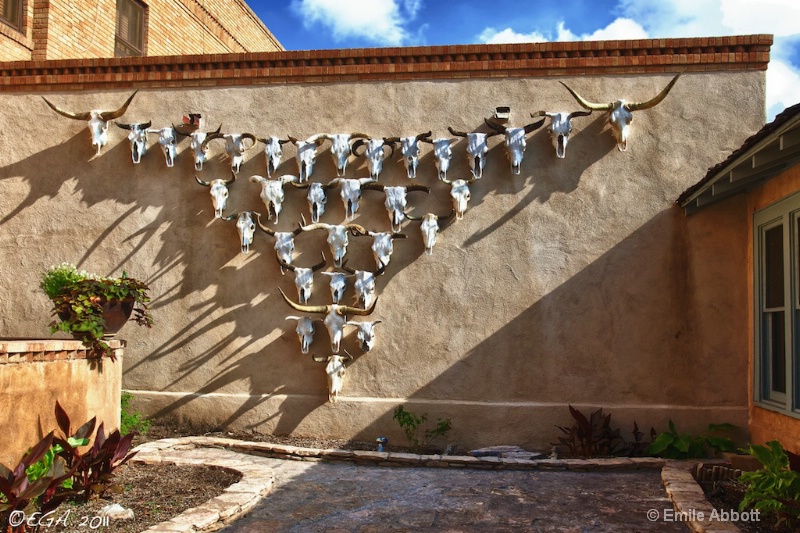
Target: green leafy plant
x=412, y=425
x=775, y=488
x=591, y=436
x=131, y=420
x=78, y=298
x=673, y=445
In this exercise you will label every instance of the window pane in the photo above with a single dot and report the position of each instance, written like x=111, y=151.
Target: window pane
x=130, y=28
x=11, y=11
x=777, y=352
x=773, y=267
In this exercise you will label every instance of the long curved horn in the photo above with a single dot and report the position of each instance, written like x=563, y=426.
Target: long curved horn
x=359, y=136
x=318, y=225
x=86, y=115
x=356, y=230
x=373, y=186
x=347, y=310
x=423, y=136
x=308, y=308
x=230, y=217
x=265, y=229
x=124, y=126
x=535, y=125
x=391, y=140
x=203, y=183
x=252, y=138
x=456, y=133
x=580, y=114
x=210, y=137
x=318, y=138
x=233, y=178
x=319, y=265
x=318, y=360
x=585, y=103
x=411, y=217
x=349, y=356
x=389, y=144
x=255, y=178
x=109, y=115
x=347, y=268
x=358, y=144
x=417, y=187
x=333, y=183
x=399, y=236
x=496, y=127
x=300, y=185
x=284, y=264
x=638, y=106
x=292, y=140
x=282, y=141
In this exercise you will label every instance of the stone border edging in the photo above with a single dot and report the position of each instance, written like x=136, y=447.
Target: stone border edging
x=248, y=459
x=687, y=498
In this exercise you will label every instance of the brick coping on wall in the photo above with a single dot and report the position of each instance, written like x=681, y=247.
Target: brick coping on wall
x=14, y=351
x=742, y=52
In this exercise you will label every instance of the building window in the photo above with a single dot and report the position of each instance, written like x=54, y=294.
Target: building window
x=130, y=29
x=11, y=13
x=776, y=256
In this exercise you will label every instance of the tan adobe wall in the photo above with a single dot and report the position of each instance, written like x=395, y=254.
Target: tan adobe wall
x=34, y=374
x=766, y=425
x=576, y=282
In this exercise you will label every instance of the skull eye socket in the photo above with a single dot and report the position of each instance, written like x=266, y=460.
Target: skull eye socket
x=225, y=194
x=252, y=227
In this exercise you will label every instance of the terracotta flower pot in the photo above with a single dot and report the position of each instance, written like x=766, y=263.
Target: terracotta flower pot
x=115, y=313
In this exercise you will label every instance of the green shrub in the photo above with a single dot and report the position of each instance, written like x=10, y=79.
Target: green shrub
x=131, y=420
x=412, y=424
x=672, y=445
x=775, y=488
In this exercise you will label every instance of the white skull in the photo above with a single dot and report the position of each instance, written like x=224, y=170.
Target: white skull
x=375, y=155
x=429, y=229
x=168, y=141
x=336, y=370
x=284, y=245
x=304, y=280
x=305, y=331
x=340, y=151
x=442, y=151
x=476, y=153
x=365, y=288
x=396, y=205
x=382, y=247
x=409, y=148
x=272, y=193
x=273, y=152
x=246, y=228
x=459, y=191
x=365, y=334
x=351, y=194
x=316, y=201
x=338, y=283
x=234, y=147
x=515, y=148
x=137, y=135
x=306, y=155
x=218, y=188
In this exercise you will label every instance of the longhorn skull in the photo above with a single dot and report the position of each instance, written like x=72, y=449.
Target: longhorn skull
x=351, y=194
x=396, y=200
x=365, y=285
x=168, y=139
x=561, y=128
x=305, y=331
x=459, y=192
x=284, y=242
x=98, y=120
x=335, y=316
x=365, y=333
x=515, y=142
x=442, y=152
x=337, y=237
x=198, y=146
x=246, y=228
x=137, y=135
x=272, y=193
x=273, y=152
x=303, y=278
x=375, y=154
x=234, y=146
x=409, y=148
x=317, y=196
x=338, y=283
x=218, y=188
x=335, y=369
x=430, y=228
x=307, y=154
x=476, y=149
x=620, y=112
x=382, y=246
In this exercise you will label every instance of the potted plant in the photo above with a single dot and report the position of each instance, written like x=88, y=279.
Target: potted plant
x=92, y=307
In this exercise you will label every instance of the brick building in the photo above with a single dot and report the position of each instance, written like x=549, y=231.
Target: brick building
x=62, y=29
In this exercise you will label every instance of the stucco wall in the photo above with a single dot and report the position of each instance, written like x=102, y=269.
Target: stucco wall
x=577, y=281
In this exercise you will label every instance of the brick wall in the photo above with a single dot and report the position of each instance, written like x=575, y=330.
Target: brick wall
x=66, y=29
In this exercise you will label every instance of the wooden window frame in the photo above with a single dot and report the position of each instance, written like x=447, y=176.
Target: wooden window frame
x=19, y=24
x=126, y=44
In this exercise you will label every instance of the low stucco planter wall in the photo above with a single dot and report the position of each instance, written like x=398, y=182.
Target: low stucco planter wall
x=36, y=373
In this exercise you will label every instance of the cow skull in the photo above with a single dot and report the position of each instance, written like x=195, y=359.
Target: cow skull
x=341, y=150
x=272, y=193
x=459, y=192
x=430, y=228
x=335, y=369
x=620, y=112
x=442, y=152
x=382, y=246
x=307, y=154
x=305, y=331
x=560, y=128
x=375, y=154
x=337, y=237
x=351, y=194
x=168, y=139
x=246, y=228
x=273, y=153
x=317, y=196
x=218, y=189
x=234, y=146
x=476, y=149
x=515, y=142
x=137, y=135
x=338, y=283
x=198, y=146
x=365, y=333
x=303, y=278
x=396, y=200
x=409, y=148
x=335, y=316
x=364, y=285
x=284, y=242
x=98, y=120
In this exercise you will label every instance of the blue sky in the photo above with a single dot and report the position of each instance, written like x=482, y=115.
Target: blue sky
x=321, y=24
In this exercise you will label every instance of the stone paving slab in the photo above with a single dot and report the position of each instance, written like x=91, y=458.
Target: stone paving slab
x=341, y=490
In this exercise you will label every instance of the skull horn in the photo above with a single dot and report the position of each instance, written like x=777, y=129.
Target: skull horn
x=455, y=132
x=358, y=144
x=77, y=116
x=307, y=308
x=347, y=310
x=109, y=115
x=210, y=137
x=266, y=230
x=417, y=187
x=203, y=183
x=356, y=230
x=538, y=124
x=496, y=127
x=252, y=138
x=585, y=103
x=579, y=114
x=318, y=225
x=638, y=106
x=319, y=265
x=233, y=178
x=373, y=186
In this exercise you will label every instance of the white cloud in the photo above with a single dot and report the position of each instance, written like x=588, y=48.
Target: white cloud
x=621, y=28
x=783, y=87
x=379, y=21
x=507, y=35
